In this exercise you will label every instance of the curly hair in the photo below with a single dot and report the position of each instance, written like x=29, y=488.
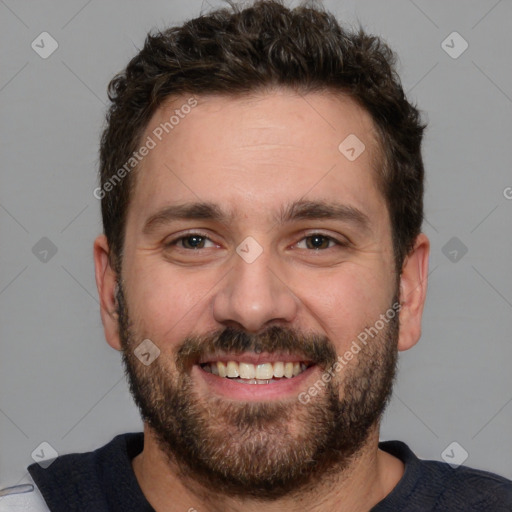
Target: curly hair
x=236, y=51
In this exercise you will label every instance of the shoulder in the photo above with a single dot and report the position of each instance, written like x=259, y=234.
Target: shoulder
x=449, y=488
x=24, y=497
x=95, y=478
x=475, y=489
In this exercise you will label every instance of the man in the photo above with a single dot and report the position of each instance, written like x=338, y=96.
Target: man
x=262, y=264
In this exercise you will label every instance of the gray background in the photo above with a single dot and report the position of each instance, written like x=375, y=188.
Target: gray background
x=59, y=380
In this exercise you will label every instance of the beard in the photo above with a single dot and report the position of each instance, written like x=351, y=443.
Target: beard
x=264, y=450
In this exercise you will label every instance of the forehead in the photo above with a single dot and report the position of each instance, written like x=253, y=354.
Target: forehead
x=252, y=154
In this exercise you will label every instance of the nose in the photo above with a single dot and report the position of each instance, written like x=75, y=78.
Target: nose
x=254, y=295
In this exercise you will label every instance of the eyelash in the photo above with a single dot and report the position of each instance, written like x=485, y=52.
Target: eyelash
x=203, y=235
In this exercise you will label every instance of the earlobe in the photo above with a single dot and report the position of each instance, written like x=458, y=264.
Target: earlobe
x=106, y=282
x=413, y=290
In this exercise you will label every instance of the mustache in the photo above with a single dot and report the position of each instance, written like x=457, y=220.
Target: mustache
x=311, y=347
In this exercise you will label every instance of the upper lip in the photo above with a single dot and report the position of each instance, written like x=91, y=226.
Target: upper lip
x=253, y=358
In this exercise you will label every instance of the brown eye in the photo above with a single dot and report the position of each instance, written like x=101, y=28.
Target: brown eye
x=193, y=242
x=318, y=241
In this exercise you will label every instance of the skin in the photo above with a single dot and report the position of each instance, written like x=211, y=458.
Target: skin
x=252, y=156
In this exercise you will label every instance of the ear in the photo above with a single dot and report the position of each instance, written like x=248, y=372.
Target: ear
x=413, y=290
x=106, y=280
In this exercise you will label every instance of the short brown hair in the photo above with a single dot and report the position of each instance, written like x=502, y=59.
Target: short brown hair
x=233, y=51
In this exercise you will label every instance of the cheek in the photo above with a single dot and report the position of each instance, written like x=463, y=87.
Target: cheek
x=164, y=302
x=344, y=302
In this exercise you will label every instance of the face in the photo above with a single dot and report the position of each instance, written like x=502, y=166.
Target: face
x=256, y=254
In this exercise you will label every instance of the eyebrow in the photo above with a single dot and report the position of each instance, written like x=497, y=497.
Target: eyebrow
x=314, y=210
x=186, y=211
x=297, y=210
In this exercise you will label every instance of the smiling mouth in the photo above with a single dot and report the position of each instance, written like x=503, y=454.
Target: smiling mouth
x=261, y=373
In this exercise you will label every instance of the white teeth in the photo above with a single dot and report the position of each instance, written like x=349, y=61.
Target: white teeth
x=247, y=371
x=288, y=370
x=253, y=381
x=262, y=373
x=221, y=367
x=278, y=369
x=232, y=369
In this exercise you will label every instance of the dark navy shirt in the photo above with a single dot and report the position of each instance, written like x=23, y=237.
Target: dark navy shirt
x=104, y=481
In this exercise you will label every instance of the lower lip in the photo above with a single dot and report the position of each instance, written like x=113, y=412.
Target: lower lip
x=276, y=389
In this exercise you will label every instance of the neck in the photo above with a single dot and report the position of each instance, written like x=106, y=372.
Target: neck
x=370, y=477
